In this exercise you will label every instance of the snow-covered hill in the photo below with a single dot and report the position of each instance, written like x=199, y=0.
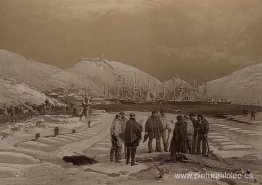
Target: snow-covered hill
x=11, y=91
x=109, y=73
x=35, y=74
x=242, y=86
x=176, y=83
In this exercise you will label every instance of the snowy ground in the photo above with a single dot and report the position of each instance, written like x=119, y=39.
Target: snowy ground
x=24, y=161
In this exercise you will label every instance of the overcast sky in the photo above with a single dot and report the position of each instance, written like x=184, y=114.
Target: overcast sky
x=196, y=39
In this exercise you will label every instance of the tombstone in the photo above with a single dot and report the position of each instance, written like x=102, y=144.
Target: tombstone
x=89, y=123
x=37, y=135
x=56, y=131
x=73, y=131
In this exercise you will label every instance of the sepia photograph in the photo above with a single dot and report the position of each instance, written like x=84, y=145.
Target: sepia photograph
x=130, y=92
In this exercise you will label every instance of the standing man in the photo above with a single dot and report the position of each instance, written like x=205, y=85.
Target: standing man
x=116, y=133
x=179, y=140
x=84, y=111
x=189, y=134
x=192, y=117
x=167, y=129
x=153, y=130
x=123, y=121
x=6, y=114
x=47, y=105
x=25, y=113
x=132, y=136
x=203, y=130
x=253, y=115
x=247, y=113
x=13, y=114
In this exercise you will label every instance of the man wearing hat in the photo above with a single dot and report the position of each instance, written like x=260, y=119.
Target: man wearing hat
x=123, y=121
x=167, y=129
x=203, y=129
x=178, y=143
x=195, y=125
x=154, y=130
x=132, y=136
x=116, y=132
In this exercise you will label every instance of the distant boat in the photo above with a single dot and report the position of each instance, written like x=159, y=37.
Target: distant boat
x=135, y=93
x=224, y=101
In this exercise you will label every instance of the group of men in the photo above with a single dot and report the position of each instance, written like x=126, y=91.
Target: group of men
x=252, y=114
x=127, y=131
x=86, y=111
x=9, y=113
x=14, y=113
x=188, y=137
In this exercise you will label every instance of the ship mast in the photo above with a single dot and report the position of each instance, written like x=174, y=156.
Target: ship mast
x=205, y=91
x=135, y=88
x=104, y=90
x=174, y=89
x=181, y=90
x=116, y=93
x=164, y=91
x=148, y=96
x=155, y=93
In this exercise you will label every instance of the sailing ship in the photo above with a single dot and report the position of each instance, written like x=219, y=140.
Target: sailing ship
x=132, y=91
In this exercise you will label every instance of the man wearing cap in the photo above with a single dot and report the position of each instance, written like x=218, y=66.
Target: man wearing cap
x=190, y=131
x=153, y=130
x=85, y=108
x=123, y=121
x=203, y=129
x=13, y=114
x=195, y=126
x=167, y=129
x=179, y=140
x=116, y=132
x=132, y=136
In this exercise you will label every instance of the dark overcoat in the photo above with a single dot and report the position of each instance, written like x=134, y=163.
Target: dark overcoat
x=132, y=132
x=154, y=127
x=179, y=140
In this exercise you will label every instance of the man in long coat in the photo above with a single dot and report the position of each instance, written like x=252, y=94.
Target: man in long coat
x=132, y=136
x=166, y=131
x=179, y=139
x=195, y=132
x=116, y=139
x=123, y=121
x=154, y=130
x=84, y=111
x=203, y=129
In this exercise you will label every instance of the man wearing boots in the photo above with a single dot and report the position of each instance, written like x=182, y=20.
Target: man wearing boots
x=153, y=130
x=123, y=121
x=132, y=136
x=203, y=129
x=195, y=126
x=84, y=111
x=179, y=140
x=166, y=130
x=116, y=135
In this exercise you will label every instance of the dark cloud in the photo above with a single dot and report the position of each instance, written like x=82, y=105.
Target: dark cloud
x=196, y=39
